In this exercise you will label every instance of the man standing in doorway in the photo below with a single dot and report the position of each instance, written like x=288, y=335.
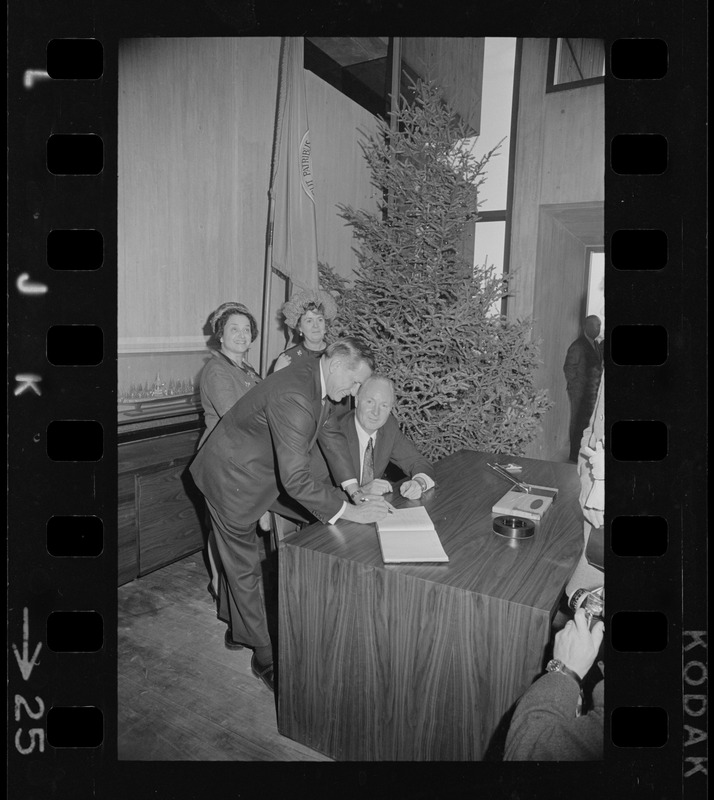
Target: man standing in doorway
x=582, y=368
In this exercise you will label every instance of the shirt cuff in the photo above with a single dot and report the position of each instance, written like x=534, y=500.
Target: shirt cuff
x=337, y=515
x=427, y=480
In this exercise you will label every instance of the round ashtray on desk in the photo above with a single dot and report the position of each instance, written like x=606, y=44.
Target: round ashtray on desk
x=513, y=527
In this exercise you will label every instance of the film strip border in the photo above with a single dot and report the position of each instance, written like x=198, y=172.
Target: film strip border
x=657, y=627
x=62, y=479
x=61, y=437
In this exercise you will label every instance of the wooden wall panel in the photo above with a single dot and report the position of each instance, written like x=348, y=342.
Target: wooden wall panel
x=559, y=160
x=456, y=64
x=574, y=146
x=195, y=135
x=196, y=123
x=528, y=176
x=560, y=289
x=341, y=174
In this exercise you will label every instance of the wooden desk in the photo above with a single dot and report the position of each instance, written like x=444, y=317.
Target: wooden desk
x=407, y=662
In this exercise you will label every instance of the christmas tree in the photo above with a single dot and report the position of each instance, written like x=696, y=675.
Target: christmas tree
x=463, y=373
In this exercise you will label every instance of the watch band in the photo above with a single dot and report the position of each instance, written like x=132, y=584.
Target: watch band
x=554, y=665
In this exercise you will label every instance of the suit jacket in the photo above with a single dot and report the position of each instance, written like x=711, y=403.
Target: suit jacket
x=544, y=726
x=583, y=367
x=390, y=445
x=261, y=446
x=223, y=383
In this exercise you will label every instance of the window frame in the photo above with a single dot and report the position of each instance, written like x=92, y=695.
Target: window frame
x=551, y=86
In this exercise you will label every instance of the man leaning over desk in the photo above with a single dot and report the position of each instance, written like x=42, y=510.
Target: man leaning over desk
x=261, y=444
x=374, y=440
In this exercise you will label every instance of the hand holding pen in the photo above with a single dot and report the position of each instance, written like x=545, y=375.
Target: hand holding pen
x=366, y=498
x=372, y=491
x=366, y=508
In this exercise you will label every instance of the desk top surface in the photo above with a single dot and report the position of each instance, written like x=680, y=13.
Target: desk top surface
x=530, y=571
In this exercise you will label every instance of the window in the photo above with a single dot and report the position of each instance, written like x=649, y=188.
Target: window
x=575, y=62
x=595, y=303
x=489, y=234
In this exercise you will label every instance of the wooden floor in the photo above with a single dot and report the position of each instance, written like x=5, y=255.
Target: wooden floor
x=182, y=695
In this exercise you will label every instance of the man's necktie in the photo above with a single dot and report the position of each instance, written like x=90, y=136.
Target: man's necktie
x=368, y=464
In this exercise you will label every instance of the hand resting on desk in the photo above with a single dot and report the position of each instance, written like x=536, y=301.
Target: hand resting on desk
x=372, y=509
x=412, y=490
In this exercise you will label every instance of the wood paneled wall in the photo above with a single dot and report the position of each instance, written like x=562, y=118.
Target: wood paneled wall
x=195, y=138
x=559, y=159
x=341, y=174
x=456, y=65
x=560, y=287
x=195, y=123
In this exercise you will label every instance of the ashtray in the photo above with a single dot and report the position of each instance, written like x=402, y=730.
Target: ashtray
x=513, y=527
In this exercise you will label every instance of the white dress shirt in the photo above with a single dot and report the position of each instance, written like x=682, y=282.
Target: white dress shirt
x=363, y=437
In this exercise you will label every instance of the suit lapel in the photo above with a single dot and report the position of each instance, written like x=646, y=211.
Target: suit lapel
x=352, y=441
x=382, y=450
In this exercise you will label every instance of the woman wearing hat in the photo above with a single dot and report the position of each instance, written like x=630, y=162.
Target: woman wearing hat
x=225, y=378
x=307, y=314
x=228, y=375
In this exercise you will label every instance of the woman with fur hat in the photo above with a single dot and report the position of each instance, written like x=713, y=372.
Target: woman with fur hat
x=307, y=314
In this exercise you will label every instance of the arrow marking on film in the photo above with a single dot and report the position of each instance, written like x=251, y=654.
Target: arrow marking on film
x=26, y=666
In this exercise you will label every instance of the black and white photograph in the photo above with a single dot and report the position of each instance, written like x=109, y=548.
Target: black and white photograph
x=374, y=283
x=310, y=308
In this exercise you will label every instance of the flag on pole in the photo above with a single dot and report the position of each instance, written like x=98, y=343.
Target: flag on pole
x=294, y=245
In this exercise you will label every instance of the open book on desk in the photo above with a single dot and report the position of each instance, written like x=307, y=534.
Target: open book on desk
x=408, y=536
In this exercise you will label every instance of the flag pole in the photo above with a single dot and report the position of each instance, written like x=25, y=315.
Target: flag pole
x=268, y=265
x=267, y=286
x=291, y=236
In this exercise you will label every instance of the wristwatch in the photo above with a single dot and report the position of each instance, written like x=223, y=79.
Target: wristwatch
x=575, y=599
x=555, y=665
x=421, y=482
x=354, y=494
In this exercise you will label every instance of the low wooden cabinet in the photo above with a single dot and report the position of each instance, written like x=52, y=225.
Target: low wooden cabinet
x=161, y=512
x=128, y=544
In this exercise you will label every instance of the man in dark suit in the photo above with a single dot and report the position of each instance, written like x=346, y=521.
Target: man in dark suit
x=375, y=440
x=582, y=368
x=260, y=447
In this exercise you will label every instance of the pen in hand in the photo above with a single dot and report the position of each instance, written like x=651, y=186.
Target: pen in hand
x=366, y=500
